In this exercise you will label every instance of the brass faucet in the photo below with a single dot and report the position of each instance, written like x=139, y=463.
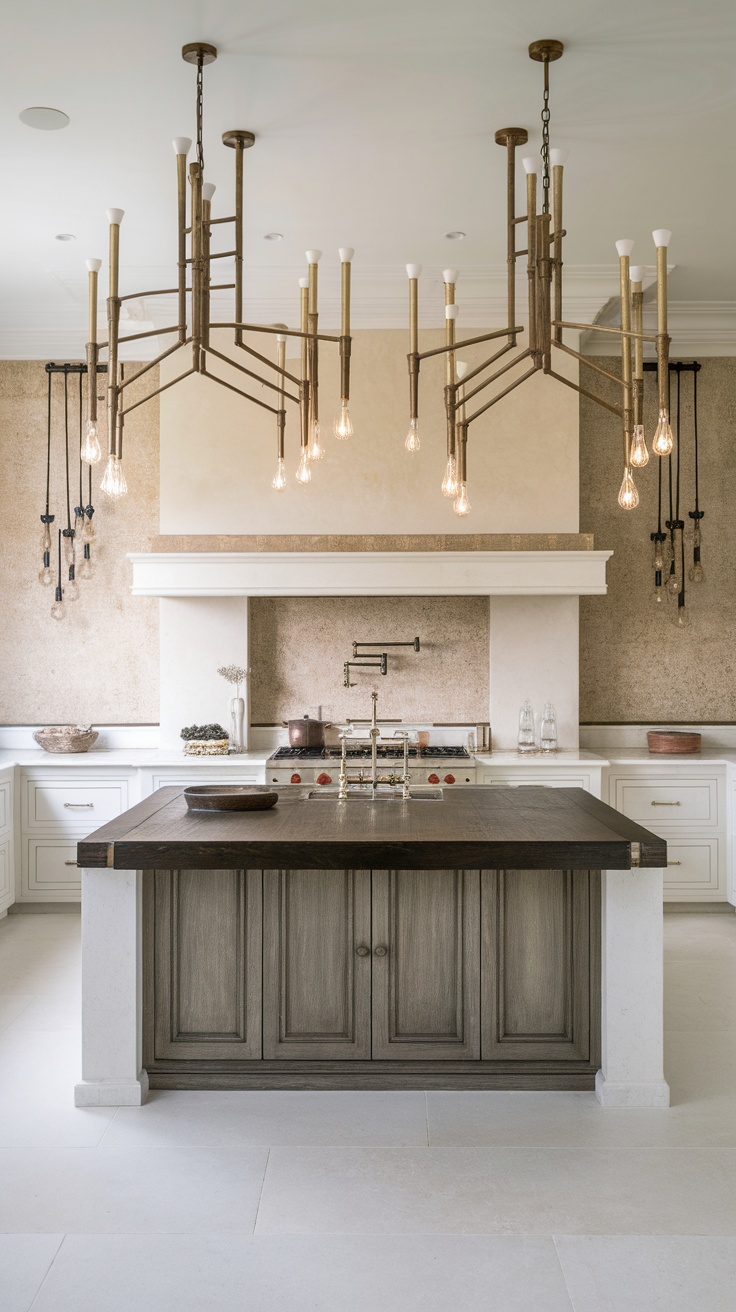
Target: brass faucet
x=374, y=779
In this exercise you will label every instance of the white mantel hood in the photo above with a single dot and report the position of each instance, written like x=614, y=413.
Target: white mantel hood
x=369, y=573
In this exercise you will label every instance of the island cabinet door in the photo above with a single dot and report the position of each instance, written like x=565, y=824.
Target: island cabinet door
x=317, y=965
x=539, y=967
x=203, y=974
x=426, y=965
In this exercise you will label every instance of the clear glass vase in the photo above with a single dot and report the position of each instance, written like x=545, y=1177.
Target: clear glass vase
x=237, y=721
x=526, y=742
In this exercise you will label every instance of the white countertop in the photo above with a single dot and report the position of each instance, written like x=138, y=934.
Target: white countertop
x=135, y=758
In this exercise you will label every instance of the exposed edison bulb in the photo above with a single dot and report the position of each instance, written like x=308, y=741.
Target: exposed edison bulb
x=449, y=482
x=45, y=539
x=91, y=452
x=663, y=441
x=278, y=482
x=638, y=455
x=658, y=596
x=69, y=549
x=412, y=442
x=45, y=576
x=658, y=556
x=304, y=473
x=71, y=591
x=86, y=568
x=113, y=480
x=315, y=449
x=628, y=497
x=682, y=620
x=673, y=585
x=88, y=529
x=58, y=610
x=461, y=505
x=696, y=573
x=343, y=424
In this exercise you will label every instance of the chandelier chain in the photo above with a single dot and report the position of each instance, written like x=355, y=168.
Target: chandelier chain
x=545, y=141
x=200, y=150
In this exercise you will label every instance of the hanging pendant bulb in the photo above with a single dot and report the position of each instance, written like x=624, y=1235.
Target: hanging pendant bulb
x=91, y=451
x=696, y=573
x=45, y=539
x=412, y=442
x=304, y=472
x=278, y=482
x=86, y=568
x=343, y=424
x=461, y=505
x=71, y=591
x=88, y=528
x=113, y=480
x=315, y=450
x=682, y=618
x=68, y=536
x=449, y=482
x=58, y=610
x=663, y=440
x=639, y=455
x=658, y=594
x=628, y=497
x=45, y=575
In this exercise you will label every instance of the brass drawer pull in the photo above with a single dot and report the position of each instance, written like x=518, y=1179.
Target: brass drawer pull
x=89, y=806
x=666, y=803
x=70, y=863
x=381, y=952
x=362, y=951
x=674, y=863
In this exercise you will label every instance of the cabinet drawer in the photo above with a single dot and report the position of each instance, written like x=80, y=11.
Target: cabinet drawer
x=4, y=806
x=540, y=780
x=78, y=804
x=695, y=870
x=6, y=871
x=663, y=801
x=194, y=779
x=50, y=871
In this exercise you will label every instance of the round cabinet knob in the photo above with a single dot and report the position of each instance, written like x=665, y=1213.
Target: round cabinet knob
x=381, y=952
x=449, y=778
x=324, y=778
x=362, y=951
x=433, y=778
x=296, y=779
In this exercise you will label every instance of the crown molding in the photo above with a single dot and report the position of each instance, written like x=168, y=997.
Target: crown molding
x=706, y=328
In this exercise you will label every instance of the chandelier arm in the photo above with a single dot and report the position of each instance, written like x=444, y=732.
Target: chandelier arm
x=137, y=337
x=151, y=365
x=557, y=235
x=625, y=297
x=587, y=360
x=181, y=194
x=295, y=332
x=230, y=218
x=163, y=388
x=239, y=392
x=468, y=396
x=206, y=266
x=531, y=262
x=218, y=255
x=195, y=179
x=239, y=239
x=487, y=363
x=265, y=382
x=113, y=322
x=500, y=396
x=544, y=285
x=282, y=372
x=460, y=346
x=583, y=391
x=601, y=328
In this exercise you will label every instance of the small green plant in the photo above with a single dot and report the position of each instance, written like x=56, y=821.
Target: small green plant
x=203, y=732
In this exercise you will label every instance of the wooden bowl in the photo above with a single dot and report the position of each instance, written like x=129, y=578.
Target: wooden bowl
x=66, y=738
x=229, y=797
x=673, y=742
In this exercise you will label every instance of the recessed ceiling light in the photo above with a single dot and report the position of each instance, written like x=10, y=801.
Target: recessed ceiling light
x=65, y=236
x=273, y=236
x=454, y=236
x=47, y=120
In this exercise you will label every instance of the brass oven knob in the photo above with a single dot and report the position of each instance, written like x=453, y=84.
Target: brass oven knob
x=362, y=951
x=381, y=952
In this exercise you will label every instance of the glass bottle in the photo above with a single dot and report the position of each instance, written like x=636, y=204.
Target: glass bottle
x=548, y=735
x=526, y=741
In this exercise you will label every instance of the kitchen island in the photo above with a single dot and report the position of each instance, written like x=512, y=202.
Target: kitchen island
x=489, y=938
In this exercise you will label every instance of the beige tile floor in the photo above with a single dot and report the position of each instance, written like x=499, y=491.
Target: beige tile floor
x=293, y=1202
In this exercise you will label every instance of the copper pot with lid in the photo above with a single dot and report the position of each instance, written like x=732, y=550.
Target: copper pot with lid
x=306, y=732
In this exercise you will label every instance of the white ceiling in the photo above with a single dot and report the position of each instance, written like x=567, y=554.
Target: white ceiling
x=374, y=126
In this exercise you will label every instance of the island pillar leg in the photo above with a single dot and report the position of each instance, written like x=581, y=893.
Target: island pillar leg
x=111, y=991
x=632, y=1022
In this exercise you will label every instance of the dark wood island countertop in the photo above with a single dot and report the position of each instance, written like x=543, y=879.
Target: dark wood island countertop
x=525, y=828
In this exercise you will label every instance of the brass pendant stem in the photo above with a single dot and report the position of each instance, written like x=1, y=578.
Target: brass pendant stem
x=113, y=328
x=281, y=416
x=531, y=261
x=625, y=291
x=206, y=216
x=637, y=305
x=544, y=285
x=462, y=450
x=195, y=179
x=414, y=316
x=181, y=189
x=239, y=240
x=450, y=336
x=92, y=348
x=557, y=172
x=663, y=341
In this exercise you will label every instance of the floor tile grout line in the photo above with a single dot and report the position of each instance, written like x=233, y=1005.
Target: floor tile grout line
x=47, y=1273
x=562, y=1272
x=107, y=1127
x=260, y=1194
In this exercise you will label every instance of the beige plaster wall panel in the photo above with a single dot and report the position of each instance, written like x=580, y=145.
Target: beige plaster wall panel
x=218, y=455
x=101, y=663
x=298, y=645
x=635, y=665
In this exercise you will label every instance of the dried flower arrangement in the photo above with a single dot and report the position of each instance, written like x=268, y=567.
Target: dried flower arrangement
x=234, y=674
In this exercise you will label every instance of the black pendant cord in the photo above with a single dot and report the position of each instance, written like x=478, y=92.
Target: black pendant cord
x=679, y=462
x=48, y=450
x=66, y=448
x=659, y=499
x=79, y=510
x=695, y=438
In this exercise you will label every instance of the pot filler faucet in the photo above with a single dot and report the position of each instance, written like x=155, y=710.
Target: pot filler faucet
x=368, y=660
x=373, y=735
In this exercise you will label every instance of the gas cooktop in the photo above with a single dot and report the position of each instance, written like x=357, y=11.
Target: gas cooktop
x=384, y=752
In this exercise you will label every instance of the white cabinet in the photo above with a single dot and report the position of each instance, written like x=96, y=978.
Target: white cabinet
x=549, y=776
x=7, y=844
x=188, y=774
x=686, y=805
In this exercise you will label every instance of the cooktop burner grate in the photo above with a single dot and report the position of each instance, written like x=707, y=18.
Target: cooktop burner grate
x=384, y=753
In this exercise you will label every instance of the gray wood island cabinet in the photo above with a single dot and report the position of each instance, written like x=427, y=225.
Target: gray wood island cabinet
x=449, y=943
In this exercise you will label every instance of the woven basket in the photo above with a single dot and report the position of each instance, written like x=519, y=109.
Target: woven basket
x=66, y=738
x=207, y=747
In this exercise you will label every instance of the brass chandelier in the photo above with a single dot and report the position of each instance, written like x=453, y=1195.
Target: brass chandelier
x=196, y=228
x=544, y=276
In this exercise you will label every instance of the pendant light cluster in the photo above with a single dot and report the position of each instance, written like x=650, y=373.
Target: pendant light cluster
x=67, y=554
x=544, y=276
x=196, y=264
x=669, y=541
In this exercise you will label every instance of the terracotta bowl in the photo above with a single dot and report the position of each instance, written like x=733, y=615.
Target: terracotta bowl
x=66, y=738
x=673, y=742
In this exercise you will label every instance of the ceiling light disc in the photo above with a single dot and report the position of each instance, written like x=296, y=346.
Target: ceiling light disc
x=191, y=53
x=547, y=50
x=44, y=118
x=238, y=137
x=511, y=137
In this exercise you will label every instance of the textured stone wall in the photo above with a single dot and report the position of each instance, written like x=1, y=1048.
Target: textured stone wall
x=100, y=664
x=298, y=645
x=635, y=665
